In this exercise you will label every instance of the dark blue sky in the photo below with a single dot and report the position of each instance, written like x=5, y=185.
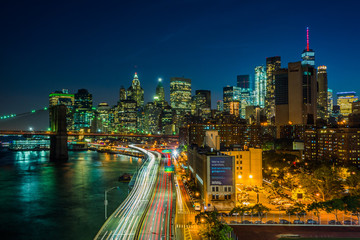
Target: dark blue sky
x=50, y=45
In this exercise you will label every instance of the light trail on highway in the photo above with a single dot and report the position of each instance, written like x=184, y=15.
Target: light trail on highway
x=159, y=219
x=124, y=222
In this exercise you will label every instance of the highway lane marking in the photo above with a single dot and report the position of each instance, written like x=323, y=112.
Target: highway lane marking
x=104, y=235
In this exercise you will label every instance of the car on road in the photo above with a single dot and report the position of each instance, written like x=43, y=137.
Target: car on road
x=271, y=222
x=349, y=222
x=298, y=222
x=311, y=221
x=258, y=222
x=246, y=222
x=334, y=222
x=284, y=221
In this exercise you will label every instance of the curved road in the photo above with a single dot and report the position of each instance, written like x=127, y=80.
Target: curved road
x=123, y=223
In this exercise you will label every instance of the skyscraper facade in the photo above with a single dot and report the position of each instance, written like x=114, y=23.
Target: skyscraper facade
x=83, y=112
x=220, y=105
x=160, y=92
x=243, y=81
x=302, y=93
x=330, y=104
x=296, y=91
x=322, y=100
x=122, y=94
x=230, y=94
x=272, y=64
x=345, y=100
x=180, y=93
x=203, y=102
x=260, y=86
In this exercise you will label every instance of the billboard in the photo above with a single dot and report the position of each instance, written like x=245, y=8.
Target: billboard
x=221, y=170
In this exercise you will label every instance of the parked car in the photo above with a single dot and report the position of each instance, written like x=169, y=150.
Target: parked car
x=334, y=222
x=349, y=222
x=284, y=221
x=271, y=222
x=246, y=222
x=298, y=222
x=258, y=222
x=234, y=222
x=311, y=221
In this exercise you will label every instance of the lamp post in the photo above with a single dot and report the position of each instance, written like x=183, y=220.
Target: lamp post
x=106, y=201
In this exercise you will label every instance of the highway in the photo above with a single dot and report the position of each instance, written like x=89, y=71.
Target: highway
x=159, y=218
x=124, y=222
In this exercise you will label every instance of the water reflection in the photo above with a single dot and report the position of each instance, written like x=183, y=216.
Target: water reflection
x=44, y=200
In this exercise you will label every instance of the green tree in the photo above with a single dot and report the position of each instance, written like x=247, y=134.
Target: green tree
x=213, y=229
x=333, y=206
x=315, y=207
x=240, y=210
x=352, y=204
x=323, y=181
x=297, y=209
x=260, y=210
x=352, y=182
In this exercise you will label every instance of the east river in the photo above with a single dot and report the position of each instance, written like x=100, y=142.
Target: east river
x=43, y=200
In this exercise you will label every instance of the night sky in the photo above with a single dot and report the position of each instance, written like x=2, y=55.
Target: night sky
x=51, y=45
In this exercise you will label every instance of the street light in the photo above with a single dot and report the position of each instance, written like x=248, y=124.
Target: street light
x=106, y=201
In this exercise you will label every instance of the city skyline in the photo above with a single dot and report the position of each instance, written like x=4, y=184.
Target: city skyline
x=96, y=65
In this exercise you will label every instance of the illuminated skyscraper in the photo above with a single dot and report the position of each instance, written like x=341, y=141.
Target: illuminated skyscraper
x=220, y=105
x=83, y=112
x=159, y=93
x=234, y=108
x=260, y=86
x=135, y=92
x=180, y=93
x=102, y=118
x=322, y=100
x=344, y=100
x=308, y=55
x=272, y=64
x=230, y=94
x=152, y=118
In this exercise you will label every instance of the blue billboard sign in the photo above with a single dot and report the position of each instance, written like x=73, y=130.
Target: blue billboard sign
x=221, y=170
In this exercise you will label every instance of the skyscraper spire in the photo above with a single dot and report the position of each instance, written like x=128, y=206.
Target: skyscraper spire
x=307, y=38
x=308, y=55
